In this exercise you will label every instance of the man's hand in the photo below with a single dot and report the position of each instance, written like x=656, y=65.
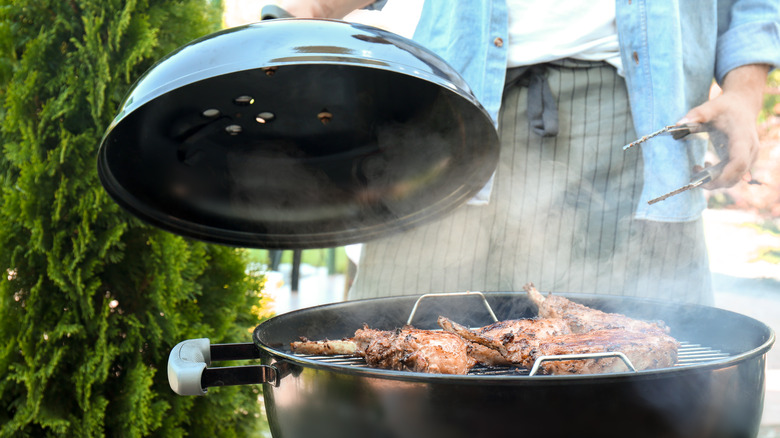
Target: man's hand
x=734, y=113
x=322, y=8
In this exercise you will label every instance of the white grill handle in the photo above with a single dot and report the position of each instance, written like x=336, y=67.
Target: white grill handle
x=186, y=363
x=189, y=372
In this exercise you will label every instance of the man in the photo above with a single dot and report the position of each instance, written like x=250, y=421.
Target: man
x=568, y=87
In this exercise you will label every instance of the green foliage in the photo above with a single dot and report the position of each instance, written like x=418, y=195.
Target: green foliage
x=771, y=100
x=91, y=300
x=766, y=253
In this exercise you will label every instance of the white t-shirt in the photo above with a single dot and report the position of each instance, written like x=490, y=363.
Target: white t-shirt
x=546, y=31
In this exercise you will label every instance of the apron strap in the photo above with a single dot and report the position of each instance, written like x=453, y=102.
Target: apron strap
x=542, y=110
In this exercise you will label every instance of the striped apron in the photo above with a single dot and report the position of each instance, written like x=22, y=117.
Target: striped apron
x=560, y=214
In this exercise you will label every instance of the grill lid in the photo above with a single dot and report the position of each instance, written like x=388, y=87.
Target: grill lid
x=297, y=133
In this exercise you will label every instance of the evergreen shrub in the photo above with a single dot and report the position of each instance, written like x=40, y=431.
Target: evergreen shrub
x=92, y=300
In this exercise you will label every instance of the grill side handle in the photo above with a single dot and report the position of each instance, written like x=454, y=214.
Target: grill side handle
x=189, y=372
x=581, y=356
x=451, y=294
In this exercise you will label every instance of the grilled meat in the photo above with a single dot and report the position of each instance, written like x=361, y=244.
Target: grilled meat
x=582, y=319
x=514, y=349
x=561, y=328
x=501, y=332
x=645, y=350
x=534, y=327
x=406, y=349
x=410, y=349
x=305, y=346
x=486, y=356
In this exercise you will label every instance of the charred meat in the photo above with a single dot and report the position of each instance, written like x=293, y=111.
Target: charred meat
x=582, y=319
x=483, y=341
x=645, y=350
x=410, y=349
x=343, y=346
x=562, y=327
x=405, y=349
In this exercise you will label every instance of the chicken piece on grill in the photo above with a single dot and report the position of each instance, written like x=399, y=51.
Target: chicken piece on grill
x=645, y=350
x=505, y=331
x=343, y=346
x=520, y=344
x=347, y=346
x=582, y=319
x=562, y=327
x=410, y=349
x=405, y=349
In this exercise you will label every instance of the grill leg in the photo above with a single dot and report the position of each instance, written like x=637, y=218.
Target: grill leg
x=296, y=270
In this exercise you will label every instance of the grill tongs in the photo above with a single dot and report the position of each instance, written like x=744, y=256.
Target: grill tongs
x=718, y=141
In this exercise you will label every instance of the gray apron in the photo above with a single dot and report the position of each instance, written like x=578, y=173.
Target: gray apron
x=561, y=210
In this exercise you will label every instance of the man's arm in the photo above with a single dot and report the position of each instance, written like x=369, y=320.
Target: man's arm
x=734, y=113
x=322, y=8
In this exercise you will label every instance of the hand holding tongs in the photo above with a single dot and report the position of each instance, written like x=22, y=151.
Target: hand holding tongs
x=719, y=142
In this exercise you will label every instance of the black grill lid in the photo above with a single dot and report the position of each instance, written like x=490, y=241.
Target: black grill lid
x=297, y=133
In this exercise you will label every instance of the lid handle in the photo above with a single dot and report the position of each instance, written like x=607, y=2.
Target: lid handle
x=272, y=12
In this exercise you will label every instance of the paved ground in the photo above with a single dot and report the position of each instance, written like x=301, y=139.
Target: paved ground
x=742, y=284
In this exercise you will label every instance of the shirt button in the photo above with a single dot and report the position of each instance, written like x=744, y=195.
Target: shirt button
x=636, y=57
x=498, y=42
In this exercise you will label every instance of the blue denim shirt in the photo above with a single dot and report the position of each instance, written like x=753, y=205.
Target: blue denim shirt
x=670, y=50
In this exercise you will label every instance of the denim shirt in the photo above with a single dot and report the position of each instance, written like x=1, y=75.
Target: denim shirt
x=670, y=50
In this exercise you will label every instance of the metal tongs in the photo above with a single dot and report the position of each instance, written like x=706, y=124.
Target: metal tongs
x=719, y=143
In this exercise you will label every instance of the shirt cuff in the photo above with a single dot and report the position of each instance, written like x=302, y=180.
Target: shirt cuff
x=751, y=43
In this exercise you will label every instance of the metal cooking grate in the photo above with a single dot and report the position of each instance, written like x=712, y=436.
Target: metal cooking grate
x=687, y=355
x=695, y=354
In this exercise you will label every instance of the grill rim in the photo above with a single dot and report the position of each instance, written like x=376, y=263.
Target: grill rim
x=411, y=376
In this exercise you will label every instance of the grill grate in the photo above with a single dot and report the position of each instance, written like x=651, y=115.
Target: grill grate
x=694, y=354
x=687, y=355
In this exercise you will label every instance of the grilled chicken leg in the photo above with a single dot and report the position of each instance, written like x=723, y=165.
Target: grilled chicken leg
x=562, y=327
x=405, y=349
x=582, y=319
x=645, y=350
x=501, y=333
